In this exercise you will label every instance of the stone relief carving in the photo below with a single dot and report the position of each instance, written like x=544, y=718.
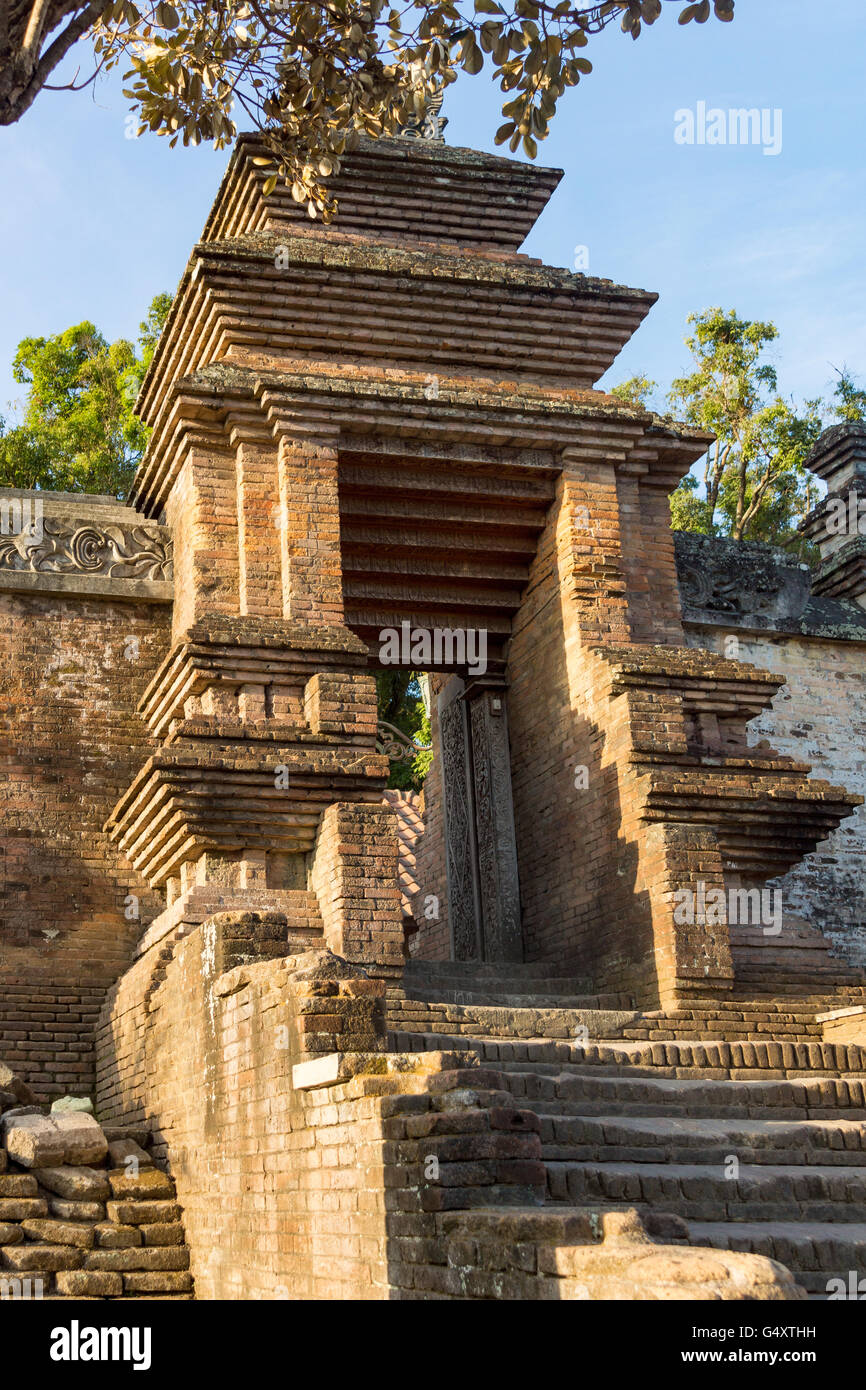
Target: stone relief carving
x=709, y=590
x=494, y=819
x=56, y=546
x=717, y=575
x=396, y=745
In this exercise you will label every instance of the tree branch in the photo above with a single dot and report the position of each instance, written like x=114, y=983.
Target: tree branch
x=17, y=102
x=33, y=32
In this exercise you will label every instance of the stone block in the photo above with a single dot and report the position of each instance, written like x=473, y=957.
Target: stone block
x=110, y=1236
x=67, y=1210
x=72, y=1105
x=163, y=1233
x=134, y=1213
x=120, y=1150
x=76, y=1184
x=59, y=1232
x=41, y=1257
x=149, y=1183
x=162, y=1281
x=89, y=1283
x=48, y=1141
x=157, y=1257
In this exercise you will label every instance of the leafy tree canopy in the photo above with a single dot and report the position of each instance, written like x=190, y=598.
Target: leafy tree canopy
x=637, y=390
x=755, y=484
x=77, y=432
x=314, y=77
x=849, y=397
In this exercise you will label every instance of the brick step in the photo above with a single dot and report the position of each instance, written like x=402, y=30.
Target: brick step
x=523, y=1017
x=583, y=1093
x=688, y=1139
x=494, y=1021
x=716, y=1030
x=467, y=970
x=718, y=1023
x=778, y=983
x=699, y=1060
x=501, y=999
x=813, y=1247
x=737, y=1006
x=760, y=1192
x=505, y=984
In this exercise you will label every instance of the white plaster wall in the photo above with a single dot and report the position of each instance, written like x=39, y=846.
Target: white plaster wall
x=818, y=717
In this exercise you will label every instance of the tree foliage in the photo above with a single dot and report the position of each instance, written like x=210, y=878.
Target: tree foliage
x=77, y=432
x=637, y=391
x=850, y=398
x=755, y=484
x=314, y=77
x=400, y=703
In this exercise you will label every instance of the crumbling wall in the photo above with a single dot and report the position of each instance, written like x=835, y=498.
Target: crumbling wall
x=84, y=1211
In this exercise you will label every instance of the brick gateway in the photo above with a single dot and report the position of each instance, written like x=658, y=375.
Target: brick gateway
x=395, y=420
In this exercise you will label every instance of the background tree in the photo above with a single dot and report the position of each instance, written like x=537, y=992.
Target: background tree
x=637, y=390
x=313, y=77
x=400, y=703
x=77, y=432
x=850, y=398
x=755, y=484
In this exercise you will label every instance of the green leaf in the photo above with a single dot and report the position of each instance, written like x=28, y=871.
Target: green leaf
x=167, y=16
x=473, y=59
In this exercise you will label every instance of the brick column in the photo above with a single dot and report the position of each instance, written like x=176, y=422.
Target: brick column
x=201, y=513
x=258, y=537
x=268, y=787
x=588, y=547
x=310, y=532
x=354, y=874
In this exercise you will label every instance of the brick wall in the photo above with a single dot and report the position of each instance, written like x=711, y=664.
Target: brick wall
x=292, y=1192
x=567, y=799
x=73, y=671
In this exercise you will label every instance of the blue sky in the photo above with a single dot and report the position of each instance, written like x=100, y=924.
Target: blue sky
x=92, y=224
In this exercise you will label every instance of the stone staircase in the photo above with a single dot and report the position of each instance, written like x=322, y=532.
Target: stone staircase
x=730, y=1115
x=454, y=998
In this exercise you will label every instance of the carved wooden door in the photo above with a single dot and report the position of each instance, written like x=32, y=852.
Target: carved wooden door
x=481, y=854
